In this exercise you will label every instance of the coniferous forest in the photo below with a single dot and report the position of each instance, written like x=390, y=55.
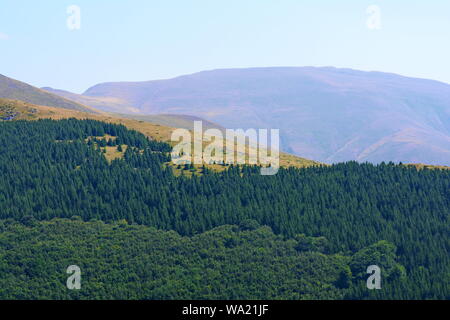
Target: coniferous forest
x=138, y=231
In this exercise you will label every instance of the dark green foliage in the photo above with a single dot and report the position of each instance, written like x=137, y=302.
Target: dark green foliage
x=121, y=261
x=249, y=224
x=49, y=170
x=305, y=243
x=382, y=254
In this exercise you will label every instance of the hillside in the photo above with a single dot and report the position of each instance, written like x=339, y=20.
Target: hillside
x=16, y=90
x=326, y=114
x=149, y=126
x=173, y=120
x=121, y=109
x=107, y=104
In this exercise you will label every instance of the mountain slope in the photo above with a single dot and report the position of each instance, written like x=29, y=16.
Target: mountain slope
x=326, y=114
x=122, y=109
x=174, y=120
x=102, y=103
x=17, y=90
x=19, y=110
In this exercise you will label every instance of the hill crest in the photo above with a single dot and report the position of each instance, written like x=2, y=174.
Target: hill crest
x=17, y=90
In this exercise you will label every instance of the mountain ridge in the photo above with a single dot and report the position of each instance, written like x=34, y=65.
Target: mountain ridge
x=18, y=90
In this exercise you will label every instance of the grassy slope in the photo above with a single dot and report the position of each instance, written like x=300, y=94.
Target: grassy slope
x=13, y=89
x=99, y=103
x=29, y=111
x=173, y=120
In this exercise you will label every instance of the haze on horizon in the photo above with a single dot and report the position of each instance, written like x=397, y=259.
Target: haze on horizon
x=141, y=40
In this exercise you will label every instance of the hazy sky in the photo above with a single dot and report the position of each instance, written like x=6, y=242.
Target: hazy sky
x=143, y=40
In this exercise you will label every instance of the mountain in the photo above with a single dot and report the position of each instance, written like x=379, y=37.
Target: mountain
x=17, y=90
x=327, y=114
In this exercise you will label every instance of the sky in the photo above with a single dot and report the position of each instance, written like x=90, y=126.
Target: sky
x=139, y=40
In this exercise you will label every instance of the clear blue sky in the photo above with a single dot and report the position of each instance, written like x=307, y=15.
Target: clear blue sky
x=143, y=40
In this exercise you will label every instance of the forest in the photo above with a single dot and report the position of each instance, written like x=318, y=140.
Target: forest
x=142, y=232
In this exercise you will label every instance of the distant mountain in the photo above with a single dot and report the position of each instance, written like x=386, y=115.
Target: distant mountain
x=327, y=114
x=16, y=90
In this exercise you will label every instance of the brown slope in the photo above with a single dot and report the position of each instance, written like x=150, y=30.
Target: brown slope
x=28, y=111
x=17, y=90
x=108, y=104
